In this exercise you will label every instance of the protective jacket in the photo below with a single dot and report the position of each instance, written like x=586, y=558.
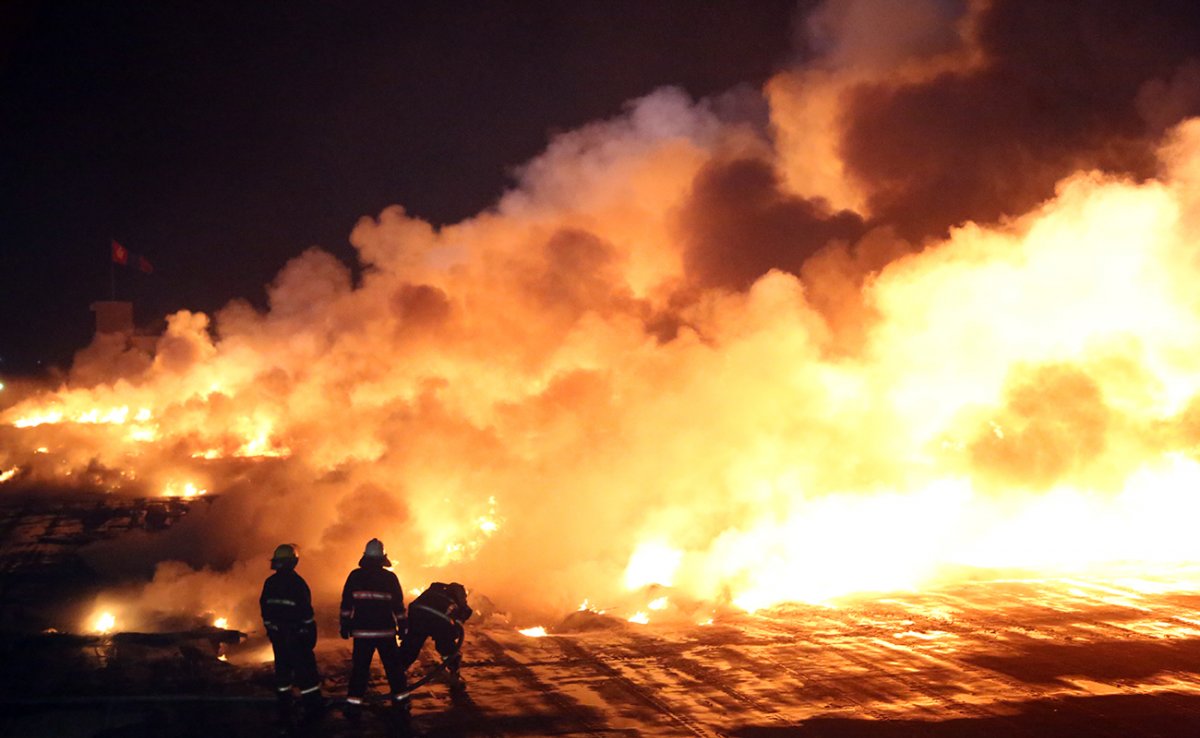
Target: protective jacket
x=286, y=603
x=446, y=601
x=372, y=603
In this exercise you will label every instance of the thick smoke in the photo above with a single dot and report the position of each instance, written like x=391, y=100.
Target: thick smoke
x=691, y=349
x=739, y=224
x=1057, y=91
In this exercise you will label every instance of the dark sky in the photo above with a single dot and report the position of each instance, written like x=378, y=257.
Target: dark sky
x=219, y=139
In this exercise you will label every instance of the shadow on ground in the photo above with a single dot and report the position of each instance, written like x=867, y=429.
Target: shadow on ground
x=1104, y=660
x=1109, y=716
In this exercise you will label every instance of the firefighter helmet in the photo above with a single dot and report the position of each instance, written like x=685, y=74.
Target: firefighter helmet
x=374, y=549
x=373, y=554
x=285, y=555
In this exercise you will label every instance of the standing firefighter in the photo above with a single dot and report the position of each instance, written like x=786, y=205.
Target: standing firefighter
x=373, y=615
x=438, y=613
x=288, y=616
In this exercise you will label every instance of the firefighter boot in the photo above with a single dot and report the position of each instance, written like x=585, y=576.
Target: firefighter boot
x=314, y=706
x=283, y=707
x=455, y=680
x=400, y=715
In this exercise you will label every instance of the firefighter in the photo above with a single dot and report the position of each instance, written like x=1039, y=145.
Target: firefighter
x=438, y=613
x=287, y=614
x=373, y=615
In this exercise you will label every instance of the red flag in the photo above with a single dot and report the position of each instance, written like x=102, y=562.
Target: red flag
x=120, y=254
x=144, y=265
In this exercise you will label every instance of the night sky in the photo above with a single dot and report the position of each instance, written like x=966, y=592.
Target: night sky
x=219, y=139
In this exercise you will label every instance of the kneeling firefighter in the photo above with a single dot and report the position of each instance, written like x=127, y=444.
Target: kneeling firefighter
x=287, y=613
x=373, y=615
x=438, y=613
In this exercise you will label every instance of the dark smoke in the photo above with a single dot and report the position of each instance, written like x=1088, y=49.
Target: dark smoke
x=1064, y=86
x=739, y=223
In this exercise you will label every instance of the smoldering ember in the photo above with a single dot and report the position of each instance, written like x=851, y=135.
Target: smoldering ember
x=861, y=399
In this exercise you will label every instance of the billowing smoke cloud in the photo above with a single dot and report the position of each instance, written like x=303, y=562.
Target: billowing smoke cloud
x=1056, y=91
x=888, y=332
x=739, y=224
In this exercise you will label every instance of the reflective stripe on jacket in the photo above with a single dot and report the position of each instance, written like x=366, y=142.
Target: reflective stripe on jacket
x=447, y=601
x=285, y=601
x=372, y=602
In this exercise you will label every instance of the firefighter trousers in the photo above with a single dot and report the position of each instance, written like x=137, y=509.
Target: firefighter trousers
x=295, y=664
x=447, y=639
x=360, y=666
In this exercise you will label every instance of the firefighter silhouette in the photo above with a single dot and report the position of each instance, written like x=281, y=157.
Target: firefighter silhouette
x=373, y=615
x=287, y=614
x=438, y=613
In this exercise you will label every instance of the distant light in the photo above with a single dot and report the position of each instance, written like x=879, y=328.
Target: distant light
x=1, y=386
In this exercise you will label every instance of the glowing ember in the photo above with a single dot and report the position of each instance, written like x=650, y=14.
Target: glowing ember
x=222, y=657
x=185, y=490
x=221, y=623
x=8, y=474
x=534, y=632
x=104, y=623
x=262, y=445
x=490, y=523
x=586, y=606
x=641, y=618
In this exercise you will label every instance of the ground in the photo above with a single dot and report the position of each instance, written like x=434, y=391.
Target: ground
x=1058, y=657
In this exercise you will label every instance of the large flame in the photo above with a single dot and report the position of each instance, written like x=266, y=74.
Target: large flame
x=542, y=402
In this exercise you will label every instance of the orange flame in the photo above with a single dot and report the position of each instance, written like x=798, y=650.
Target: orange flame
x=1025, y=395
